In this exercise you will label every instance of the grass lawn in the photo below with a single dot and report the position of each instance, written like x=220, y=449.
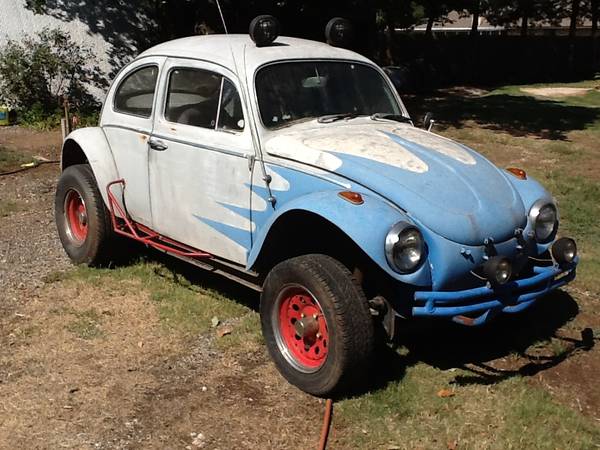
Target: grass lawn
x=522, y=382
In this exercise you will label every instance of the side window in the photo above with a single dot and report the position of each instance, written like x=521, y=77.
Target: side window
x=193, y=97
x=135, y=94
x=231, y=116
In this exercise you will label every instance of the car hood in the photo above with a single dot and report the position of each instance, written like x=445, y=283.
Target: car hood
x=444, y=185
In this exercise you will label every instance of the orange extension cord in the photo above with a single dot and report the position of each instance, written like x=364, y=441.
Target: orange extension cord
x=326, y=424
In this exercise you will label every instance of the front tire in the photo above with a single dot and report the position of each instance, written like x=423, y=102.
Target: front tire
x=82, y=219
x=317, y=324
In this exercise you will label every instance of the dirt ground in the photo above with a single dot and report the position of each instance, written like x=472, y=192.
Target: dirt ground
x=141, y=386
x=556, y=91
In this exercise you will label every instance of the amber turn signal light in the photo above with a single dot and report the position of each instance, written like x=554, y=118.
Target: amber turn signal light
x=519, y=173
x=353, y=197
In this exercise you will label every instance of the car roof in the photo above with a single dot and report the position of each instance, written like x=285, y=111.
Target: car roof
x=220, y=48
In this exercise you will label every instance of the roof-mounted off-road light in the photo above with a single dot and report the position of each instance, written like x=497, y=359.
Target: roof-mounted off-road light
x=497, y=270
x=564, y=251
x=264, y=30
x=339, y=32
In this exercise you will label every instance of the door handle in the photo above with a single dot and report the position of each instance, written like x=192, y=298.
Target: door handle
x=157, y=144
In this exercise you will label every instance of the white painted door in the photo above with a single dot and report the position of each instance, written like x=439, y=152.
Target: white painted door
x=199, y=160
x=127, y=121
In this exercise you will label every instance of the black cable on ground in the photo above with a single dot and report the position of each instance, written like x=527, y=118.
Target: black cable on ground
x=23, y=169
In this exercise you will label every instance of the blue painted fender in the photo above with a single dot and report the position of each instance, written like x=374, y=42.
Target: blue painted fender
x=94, y=144
x=531, y=191
x=367, y=225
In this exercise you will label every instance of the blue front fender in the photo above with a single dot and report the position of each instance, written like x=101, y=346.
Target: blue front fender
x=367, y=225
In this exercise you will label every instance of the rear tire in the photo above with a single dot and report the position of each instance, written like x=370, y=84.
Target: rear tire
x=317, y=324
x=82, y=219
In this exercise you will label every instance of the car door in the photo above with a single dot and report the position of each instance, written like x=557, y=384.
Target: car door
x=200, y=162
x=127, y=121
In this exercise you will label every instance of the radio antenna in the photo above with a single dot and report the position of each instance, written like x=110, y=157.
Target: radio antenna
x=222, y=17
x=255, y=138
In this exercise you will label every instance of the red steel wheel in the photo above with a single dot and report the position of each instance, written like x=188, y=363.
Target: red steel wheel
x=77, y=218
x=317, y=324
x=301, y=334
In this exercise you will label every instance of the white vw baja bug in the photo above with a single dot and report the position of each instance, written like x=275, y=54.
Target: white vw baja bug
x=293, y=167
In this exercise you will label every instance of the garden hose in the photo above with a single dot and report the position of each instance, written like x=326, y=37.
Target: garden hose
x=29, y=166
x=326, y=424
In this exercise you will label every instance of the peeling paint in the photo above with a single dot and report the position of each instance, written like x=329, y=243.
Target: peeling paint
x=314, y=147
x=437, y=143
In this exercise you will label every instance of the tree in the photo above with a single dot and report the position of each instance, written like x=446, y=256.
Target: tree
x=509, y=12
x=36, y=72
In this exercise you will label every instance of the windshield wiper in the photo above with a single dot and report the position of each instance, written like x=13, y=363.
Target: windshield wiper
x=334, y=117
x=389, y=116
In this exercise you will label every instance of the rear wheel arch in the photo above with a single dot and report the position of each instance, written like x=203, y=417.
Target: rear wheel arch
x=72, y=154
x=90, y=146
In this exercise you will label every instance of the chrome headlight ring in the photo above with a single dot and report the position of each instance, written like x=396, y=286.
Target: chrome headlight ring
x=404, y=248
x=543, y=216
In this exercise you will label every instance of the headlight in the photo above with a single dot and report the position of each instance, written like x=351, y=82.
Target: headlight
x=404, y=247
x=545, y=221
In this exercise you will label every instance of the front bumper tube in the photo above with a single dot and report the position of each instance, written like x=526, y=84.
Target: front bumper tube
x=476, y=306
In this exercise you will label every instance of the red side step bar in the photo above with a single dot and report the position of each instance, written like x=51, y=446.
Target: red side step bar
x=126, y=227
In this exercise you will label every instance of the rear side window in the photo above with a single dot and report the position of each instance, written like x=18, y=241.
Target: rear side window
x=135, y=94
x=203, y=99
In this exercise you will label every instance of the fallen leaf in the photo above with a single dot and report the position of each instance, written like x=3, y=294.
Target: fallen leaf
x=224, y=331
x=445, y=393
x=215, y=322
x=452, y=445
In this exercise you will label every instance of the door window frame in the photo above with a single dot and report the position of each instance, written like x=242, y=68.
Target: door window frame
x=167, y=86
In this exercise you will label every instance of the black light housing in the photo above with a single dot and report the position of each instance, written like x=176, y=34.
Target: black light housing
x=339, y=32
x=497, y=270
x=564, y=251
x=264, y=30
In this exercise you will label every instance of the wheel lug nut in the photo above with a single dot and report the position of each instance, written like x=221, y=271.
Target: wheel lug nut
x=315, y=316
x=319, y=336
x=302, y=315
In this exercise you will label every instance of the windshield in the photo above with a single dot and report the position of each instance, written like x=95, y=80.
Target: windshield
x=292, y=91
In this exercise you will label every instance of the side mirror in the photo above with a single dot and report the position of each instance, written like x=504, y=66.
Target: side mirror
x=428, y=121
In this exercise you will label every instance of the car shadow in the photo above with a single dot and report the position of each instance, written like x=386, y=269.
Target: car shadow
x=518, y=115
x=438, y=343
x=445, y=345
x=186, y=274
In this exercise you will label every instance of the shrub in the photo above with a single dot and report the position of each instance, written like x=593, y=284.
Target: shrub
x=36, y=72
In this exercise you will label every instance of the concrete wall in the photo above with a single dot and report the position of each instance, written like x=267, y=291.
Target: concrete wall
x=104, y=26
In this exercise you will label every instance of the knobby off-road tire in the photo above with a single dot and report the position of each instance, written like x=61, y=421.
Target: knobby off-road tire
x=82, y=219
x=317, y=324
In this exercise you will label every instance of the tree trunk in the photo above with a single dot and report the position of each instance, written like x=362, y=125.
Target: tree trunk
x=429, y=29
x=595, y=4
x=524, y=23
x=475, y=23
x=574, y=15
x=389, y=38
x=595, y=17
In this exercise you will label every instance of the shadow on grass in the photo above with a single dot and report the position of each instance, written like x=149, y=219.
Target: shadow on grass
x=440, y=344
x=518, y=115
x=184, y=273
x=445, y=345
